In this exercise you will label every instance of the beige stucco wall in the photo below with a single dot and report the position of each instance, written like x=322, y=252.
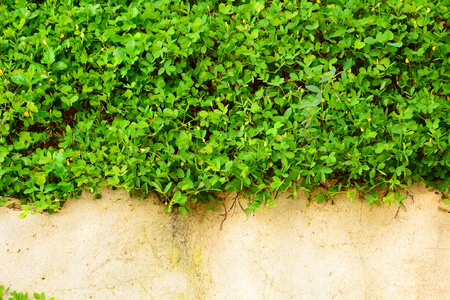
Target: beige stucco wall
x=121, y=248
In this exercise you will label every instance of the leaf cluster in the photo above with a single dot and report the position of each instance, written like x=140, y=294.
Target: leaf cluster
x=192, y=98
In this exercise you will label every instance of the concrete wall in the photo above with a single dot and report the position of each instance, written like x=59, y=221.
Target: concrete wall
x=121, y=248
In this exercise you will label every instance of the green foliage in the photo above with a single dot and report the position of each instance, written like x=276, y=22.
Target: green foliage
x=21, y=296
x=187, y=99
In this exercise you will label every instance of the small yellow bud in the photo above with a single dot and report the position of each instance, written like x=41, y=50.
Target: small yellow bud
x=243, y=21
x=156, y=115
x=346, y=112
x=198, y=127
x=271, y=165
x=434, y=48
x=207, y=7
x=208, y=168
x=50, y=110
x=224, y=122
x=157, y=105
x=61, y=36
x=103, y=49
x=26, y=14
x=76, y=26
x=302, y=90
x=1, y=72
x=142, y=150
x=165, y=203
x=349, y=99
x=323, y=100
x=51, y=80
x=407, y=61
x=26, y=114
x=362, y=129
x=258, y=10
x=265, y=144
x=369, y=119
x=68, y=162
x=318, y=1
x=428, y=10
x=218, y=99
x=44, y=42
x=56, y=200
x=431, y=140
x=182, y=163
x=373, y=9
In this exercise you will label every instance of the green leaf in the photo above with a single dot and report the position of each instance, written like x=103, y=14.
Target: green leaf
x=59, y=66
x=359, y=44
x=18, y=78
x=289, y=154
x=24, y=136
x=255, y=33
x=348, y=64
x=120, y=53
x=396, y=45
x=313, y=88
x=41, y=178
x=327, y=170
x=277, y=81
x=182, y=210
x=128, y=94
x=312, y=27
x=49, y=57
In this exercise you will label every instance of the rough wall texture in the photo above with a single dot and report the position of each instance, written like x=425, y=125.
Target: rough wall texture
x=122, y=248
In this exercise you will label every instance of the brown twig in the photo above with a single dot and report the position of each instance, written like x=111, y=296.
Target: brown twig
x=410, y=196
x=401, y=205
x=228, y=210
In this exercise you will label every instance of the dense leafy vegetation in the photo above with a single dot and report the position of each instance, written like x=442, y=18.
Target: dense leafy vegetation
x=20, y=296
x=187, y=99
